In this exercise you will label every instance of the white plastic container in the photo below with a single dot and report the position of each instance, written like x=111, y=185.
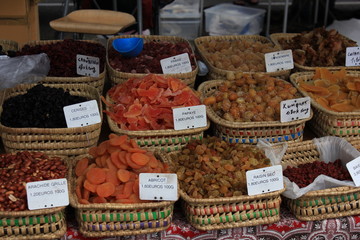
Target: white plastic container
x=187, y=28
x=230, y=19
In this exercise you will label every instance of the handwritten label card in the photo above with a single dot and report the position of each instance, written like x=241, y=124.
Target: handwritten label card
x=82, y=114
x=354, y=170
x=176, y=64
x=158, y=186
x=352, y=57
x=278, y=61
x=189, y=117
x=295, y=109
x=47, y=194
x=87, y=65
x=264, y=180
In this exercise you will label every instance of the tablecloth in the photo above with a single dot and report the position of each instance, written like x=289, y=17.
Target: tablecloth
x=288, y=228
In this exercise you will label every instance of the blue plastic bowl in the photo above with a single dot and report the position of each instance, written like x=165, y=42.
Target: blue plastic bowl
x=128, y=47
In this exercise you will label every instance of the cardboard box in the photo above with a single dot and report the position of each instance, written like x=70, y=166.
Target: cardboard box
x=19, y=20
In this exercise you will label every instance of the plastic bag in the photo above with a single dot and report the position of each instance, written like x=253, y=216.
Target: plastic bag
x=23, y=69
x=330, y=149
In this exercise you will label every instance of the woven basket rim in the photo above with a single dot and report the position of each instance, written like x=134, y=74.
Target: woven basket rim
x=275, y=39
x=127, y=232
x=83, y=87
x=217, y=70
x=214, y=201
x=107, y=206
x=9, y=44
x=307, y=75
x=223, y=122
x=149, y=133
x=151, y=38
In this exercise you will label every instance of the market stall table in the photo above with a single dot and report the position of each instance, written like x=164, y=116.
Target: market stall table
x=287, y=228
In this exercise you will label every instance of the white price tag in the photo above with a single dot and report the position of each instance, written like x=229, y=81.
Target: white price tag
x=295, y=109
x=189, y=117
x=82, y=114
x=87, y=65
x=278, y=61
x=264, y=180
x=352, y=57
x=158, y=186
x=354, y=170
x=176, y=64
x=47, y=194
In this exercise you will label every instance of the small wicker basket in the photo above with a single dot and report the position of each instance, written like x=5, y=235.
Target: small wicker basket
x=250, y=132
x=320, y=204
x=217, y=73
x=52, y=141
x=117, y=77
x=96, y=82
x=301, y=68
x=116, y=219
x=326, y=122
x=9, y=45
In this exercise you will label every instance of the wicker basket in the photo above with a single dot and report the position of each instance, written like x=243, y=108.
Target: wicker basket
x=167, y=140
x=53, y=141
x=288, y=36
x=326, y=122
x=115, y=219
x=320, y=204
x=231, y=212
x=96, y=82
x=250, y=132
x=49, y=223
x=9, y=45
x=35, y=224
x=217, y=73
x=117, y=77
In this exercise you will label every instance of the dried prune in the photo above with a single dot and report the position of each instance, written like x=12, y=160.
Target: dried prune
x=40, y=106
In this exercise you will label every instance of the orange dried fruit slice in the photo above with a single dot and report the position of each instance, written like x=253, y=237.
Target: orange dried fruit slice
x=342, y=107
x=321, y=83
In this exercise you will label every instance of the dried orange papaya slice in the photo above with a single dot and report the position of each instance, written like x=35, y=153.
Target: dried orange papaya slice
x=342, y=107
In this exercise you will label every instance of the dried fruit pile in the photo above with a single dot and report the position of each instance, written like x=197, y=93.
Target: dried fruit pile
x=148, y=61
x=250, y=98
x=112, y=174
x=335, y=91
x=41, y=107
x=304, y=174
x=62, y=55
x=17, y=169
x=318, y=48
x=237, y=55
x=146, y=103
x=212, y=168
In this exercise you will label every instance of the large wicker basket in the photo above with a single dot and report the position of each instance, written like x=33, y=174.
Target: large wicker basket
x=116, y=219
x=288, y=36
x=250, y=132
x=117, y=77
x=326, y=122
x=96, y=82
x=167, y=140
x=53, y=141
x=320, y=204
x=217, y=73
x=9, y=45
x=230, y=212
